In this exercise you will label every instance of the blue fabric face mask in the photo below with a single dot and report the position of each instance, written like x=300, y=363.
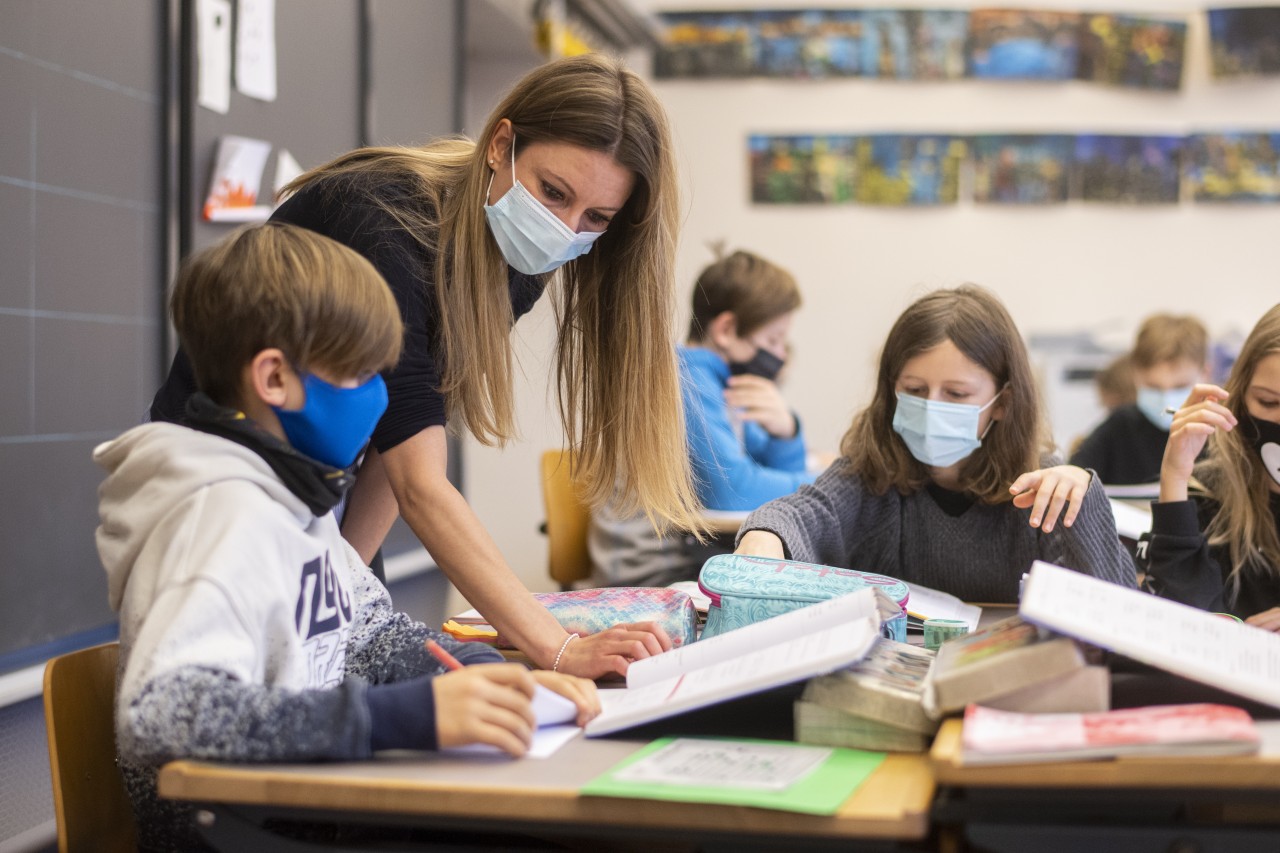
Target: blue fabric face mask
x=939, y=434
x=531, y=238
x=334, y=423
x=1152, y=402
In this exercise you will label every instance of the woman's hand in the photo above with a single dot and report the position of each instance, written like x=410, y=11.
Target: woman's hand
x=1048, y=490
x=1267, y=620
x=1200, y=417
x=580, y=691
x=487, y=703
x=761, y=543
x=757, y=399
x=609, y=652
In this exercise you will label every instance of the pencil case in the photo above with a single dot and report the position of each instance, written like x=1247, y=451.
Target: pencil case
x=589, y=611
x=746, y=589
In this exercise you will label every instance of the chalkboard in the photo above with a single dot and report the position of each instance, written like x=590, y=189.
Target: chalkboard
x=82, y=267
x=103, y=169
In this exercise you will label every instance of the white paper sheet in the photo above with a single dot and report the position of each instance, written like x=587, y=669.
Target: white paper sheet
x=933, y=604
x=726, y=764
x=213, y=54
x=237, y=174
x=256, y=49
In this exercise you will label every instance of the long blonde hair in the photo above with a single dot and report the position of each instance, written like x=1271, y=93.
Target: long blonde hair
x=975, y=321
x=1233, y=475
x=617, y=382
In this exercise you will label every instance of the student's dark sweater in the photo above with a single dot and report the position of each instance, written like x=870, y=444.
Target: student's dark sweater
x=348, y=210
x=1181, y=564
x=1125, y=449
x=940, y=539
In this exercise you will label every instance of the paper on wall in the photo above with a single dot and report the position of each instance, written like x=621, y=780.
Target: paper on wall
x=213, y=54
x=233, y=187
x=256, y=49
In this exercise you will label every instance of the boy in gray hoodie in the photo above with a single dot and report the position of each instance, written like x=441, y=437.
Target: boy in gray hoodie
x=249, y=629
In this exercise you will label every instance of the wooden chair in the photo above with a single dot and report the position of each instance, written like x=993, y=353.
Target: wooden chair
x=89, y=799
x=567, y=520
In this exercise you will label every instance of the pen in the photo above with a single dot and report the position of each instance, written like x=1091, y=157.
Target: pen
x=1171, y=410
x=438, y=652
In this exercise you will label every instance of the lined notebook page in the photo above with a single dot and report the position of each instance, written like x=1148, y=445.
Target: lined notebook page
x=1172, y=636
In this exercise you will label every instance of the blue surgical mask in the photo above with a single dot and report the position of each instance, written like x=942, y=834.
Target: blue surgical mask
x=531, y=238
x=334, y=423
x=1152, y=402
x=937, y=433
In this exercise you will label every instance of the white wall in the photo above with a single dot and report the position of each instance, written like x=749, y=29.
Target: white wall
x=1062, y=268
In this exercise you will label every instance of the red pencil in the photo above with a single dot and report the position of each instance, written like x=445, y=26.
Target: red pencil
x=439, y=653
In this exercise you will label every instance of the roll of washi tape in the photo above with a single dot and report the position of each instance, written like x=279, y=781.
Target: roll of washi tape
x=938, y=631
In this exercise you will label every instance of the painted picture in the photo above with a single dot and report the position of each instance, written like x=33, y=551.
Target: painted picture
x=801, y=169
x=1016, y=44
x=1234, y=167
x=1129, y=169
x=808, y=43
x=1244, y=42
x=1021, y=169
x=907, y=170
x=938, y=42
x=1124, y=50
x=886, y=44
x=705, y=44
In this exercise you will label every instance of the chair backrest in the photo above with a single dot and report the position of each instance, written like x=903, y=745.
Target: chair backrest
x=89, y=799
x=567, y=520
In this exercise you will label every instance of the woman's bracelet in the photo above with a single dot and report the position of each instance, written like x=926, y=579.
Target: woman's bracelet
x=556, y=666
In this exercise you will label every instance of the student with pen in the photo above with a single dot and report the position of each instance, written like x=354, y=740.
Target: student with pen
x=249, y=629
x=947, y=478
x=1215, y=531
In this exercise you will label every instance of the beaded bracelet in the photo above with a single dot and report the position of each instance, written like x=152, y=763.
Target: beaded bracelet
x=556, y=666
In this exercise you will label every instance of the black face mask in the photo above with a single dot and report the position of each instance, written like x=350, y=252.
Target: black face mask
x=1265, y=436
x=764, y=364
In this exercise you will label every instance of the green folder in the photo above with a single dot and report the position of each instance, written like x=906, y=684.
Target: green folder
x=821, y=791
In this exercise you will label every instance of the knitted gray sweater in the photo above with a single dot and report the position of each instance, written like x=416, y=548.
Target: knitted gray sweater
x=979, y=555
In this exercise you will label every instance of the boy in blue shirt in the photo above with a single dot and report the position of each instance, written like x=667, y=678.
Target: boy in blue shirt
x=745, y=444
x=249, y=629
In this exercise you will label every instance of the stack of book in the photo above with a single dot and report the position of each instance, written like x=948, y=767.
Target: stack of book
x=895, y=698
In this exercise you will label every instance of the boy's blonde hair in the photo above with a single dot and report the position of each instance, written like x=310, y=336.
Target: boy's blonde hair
x=1233, y=473
x=618, y=384
x=977, y=323
x=279, y=285
x=1166, y=338
x=755, y=290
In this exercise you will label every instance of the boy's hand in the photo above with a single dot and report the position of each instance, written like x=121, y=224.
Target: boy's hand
x=609, y=652
x=757, y=399
x=1200, y=417
x=580, y=691
x=1047, y=491
x=486, y=703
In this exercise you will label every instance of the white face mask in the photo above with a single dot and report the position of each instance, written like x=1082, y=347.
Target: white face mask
x=938, y=433
x=1153, y=402
x=531, y=238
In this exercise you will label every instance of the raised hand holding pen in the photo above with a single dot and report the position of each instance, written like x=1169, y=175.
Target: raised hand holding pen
x=1200, y=417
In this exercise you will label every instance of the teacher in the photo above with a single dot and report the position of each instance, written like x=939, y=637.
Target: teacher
x=571, y=189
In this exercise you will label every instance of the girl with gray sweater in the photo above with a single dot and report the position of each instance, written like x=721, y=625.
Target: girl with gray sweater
x=948, y=478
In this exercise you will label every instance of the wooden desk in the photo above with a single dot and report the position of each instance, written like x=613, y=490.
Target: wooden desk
x=723, y=522
x=539, y=797
x=1177, y=804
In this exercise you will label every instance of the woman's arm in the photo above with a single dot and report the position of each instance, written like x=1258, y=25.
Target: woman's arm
x=412, y=476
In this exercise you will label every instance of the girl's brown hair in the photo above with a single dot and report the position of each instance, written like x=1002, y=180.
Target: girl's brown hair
x=618, y=387
x=975, y=321
x=280, y=285
x=755, y=290
x=1233, y=475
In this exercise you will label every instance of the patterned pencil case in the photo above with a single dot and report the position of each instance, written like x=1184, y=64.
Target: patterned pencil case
x=589, y=611
x=746, y=589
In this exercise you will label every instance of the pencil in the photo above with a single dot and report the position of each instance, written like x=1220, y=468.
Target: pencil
x=438, y=652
